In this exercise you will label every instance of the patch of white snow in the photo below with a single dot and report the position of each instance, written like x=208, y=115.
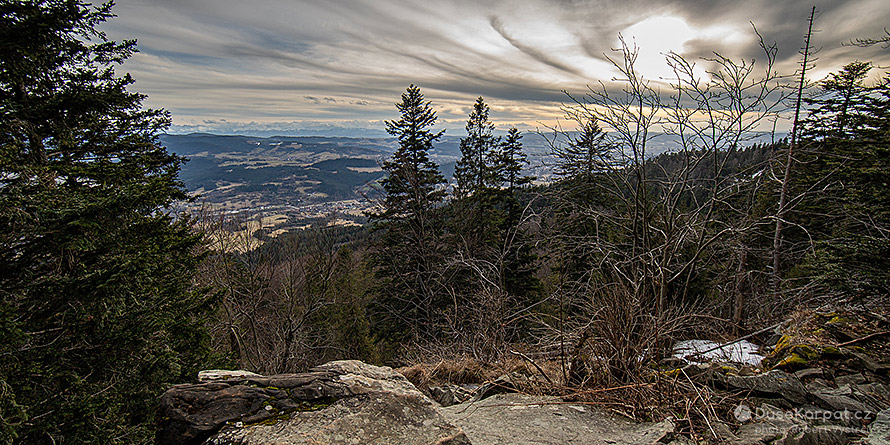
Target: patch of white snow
x=742, y=352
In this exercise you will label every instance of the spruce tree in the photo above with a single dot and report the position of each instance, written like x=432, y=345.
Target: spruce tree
x=477, y=168
x=97, y=310
x=836, y=111
x=486, y=219
x=585, y=156
x=848, y=162
x=513, y=160
x=409, y=252
x=413, y=183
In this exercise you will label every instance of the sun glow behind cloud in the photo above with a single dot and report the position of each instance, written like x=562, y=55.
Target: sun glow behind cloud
x=656, y=37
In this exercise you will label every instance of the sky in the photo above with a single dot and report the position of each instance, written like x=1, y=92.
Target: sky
x=304, y=66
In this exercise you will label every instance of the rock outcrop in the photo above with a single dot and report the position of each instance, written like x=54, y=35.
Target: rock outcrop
x=339, y=402
x=512, y=418
x=827, y=385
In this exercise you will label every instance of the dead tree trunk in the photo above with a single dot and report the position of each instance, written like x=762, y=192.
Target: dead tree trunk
x=783, y=194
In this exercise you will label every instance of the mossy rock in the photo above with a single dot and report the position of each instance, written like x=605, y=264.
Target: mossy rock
x=793, y=362
x=792, y=357
x=831, y=352
x=783, y=344
x=726, y=369
x=809, y=352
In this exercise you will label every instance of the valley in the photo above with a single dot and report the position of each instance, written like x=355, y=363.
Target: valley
x=300, y=182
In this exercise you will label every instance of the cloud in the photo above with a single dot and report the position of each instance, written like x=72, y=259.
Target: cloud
x=349, y=60
x=538, y=54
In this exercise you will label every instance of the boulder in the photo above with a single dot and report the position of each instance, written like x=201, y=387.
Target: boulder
x=775, y=426
x=775, y=383
x=817, y=435
x=508, y=383
x=850, y=379
x=840, y=399
x=339, y=402
x=870, y=363
x=809, y=373
x=447, y=395
x=770, y=424
x=875, y=395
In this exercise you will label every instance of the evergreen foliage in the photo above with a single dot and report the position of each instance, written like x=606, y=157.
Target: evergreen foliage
x=98, y=312
x=838, y=110
x=844, y=180
x=587, y=155
x=513, y=160
x=493, y=265
x=412, y=185
x=479, y=167
x=408, y=255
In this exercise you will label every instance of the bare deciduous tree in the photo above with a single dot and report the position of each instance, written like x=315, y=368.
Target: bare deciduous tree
x=673, y=217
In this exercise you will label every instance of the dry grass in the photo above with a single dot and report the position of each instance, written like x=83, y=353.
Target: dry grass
x=458, y=371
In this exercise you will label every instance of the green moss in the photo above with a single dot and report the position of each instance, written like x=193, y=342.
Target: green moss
x=272, y=420
x=671, y=373
x=303, y=406
x=838, y=319
x=313, y=405
x=782, y=345
x=793, y=362
x=807, y=351
x=831, y=351
x=725, y=369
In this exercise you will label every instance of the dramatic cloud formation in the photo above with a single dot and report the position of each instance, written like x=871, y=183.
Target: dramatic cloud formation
x=222, y=65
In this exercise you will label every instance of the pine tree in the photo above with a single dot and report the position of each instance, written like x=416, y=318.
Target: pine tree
x=848, y=162
x=97, y=310
x=413, y=183
x=588, y=154
x=477, y=168
x=512, y=161
x=409, y=253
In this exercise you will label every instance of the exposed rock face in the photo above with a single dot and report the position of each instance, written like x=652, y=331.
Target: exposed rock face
x=829, y=394
x=216, y=375
x=774, y=383
x=520, y=419
x=339, y=402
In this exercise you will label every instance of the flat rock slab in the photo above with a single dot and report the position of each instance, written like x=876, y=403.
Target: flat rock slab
x=520, y=418
x=340, y=402
x=363, y=419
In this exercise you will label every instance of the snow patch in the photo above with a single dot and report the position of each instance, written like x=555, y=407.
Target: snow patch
x=743, y=352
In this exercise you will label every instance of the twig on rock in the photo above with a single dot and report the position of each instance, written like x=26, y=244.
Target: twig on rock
x=861, y=339
x=525, y=357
